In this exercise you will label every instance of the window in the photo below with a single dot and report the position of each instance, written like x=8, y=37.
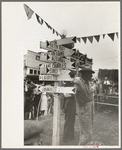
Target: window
x=35, y=71
x=31, y=71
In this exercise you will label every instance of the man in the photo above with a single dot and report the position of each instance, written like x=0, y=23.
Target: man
x=37, y=95
x=69, y=108
x=28, y=97
x=84, y=99
x=106, y=84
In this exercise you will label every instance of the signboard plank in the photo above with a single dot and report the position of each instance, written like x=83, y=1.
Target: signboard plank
x=57, y=89
x=52, y=46
x=66, y=41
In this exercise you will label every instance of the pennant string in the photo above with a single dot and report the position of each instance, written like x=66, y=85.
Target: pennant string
x=97, y=37
x=29, y=13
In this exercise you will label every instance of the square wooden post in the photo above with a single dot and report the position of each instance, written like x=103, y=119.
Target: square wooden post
x=56, y=119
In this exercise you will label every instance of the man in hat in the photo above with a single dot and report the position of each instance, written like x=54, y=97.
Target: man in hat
x=69, y=108
x=84, y=99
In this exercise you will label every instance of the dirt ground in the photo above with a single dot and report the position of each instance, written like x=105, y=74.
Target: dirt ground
x=105, y=128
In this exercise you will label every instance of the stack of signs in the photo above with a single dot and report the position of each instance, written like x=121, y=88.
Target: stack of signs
x=61, y=59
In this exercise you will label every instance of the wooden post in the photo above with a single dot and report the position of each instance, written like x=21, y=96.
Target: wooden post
x=56, y=119
x=77, y=64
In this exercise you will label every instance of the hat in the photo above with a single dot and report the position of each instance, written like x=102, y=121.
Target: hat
x=86, y=70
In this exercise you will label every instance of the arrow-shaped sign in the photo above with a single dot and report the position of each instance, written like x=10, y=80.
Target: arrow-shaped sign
x=68, y=64
x=52, y=46
x=64, y=41
x=57, y=89
x=64, y=76
x=53, y=71
x=43, y=68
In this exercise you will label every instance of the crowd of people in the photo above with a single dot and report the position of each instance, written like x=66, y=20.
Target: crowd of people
x=36, y=103
x=41, y=103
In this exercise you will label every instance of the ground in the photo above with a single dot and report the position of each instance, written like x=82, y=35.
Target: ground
x=105, y=128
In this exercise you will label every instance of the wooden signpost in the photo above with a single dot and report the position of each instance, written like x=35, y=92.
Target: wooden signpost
x=61, y=49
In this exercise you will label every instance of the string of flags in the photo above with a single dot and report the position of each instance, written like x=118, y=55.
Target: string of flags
x=97, y=37
x=30, y=12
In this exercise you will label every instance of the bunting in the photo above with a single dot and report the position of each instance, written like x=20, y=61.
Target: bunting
x=39, y=19
x=111, y=35
x=103, y=36
x=97, y=37
x=79, y=39
x=29, y=12
x=84, y=39
x=53, y=31
x=90, y=38
x=117, y=34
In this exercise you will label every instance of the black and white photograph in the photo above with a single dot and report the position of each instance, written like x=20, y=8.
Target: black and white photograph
x=61, y=74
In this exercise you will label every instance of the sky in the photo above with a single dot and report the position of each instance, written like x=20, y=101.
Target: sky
x=77, y=18
x=20, y=34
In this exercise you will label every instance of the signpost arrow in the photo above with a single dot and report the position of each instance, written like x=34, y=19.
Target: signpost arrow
x=64, y=76
x=48, y=57
x=57, y=89
x=53, y=71
x=52, y=46
x=47, y=78
x=64, y=41
x=68, y=64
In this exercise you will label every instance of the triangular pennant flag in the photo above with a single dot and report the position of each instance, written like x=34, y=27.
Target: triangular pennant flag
x=39, y=19
x=79, y=39
x=50, y=27
x=117, y=34
x=103, y=36
x=57, y=33
x=84, y=39
x=29, y=12
x=90, y=38
x=111, y=35
x=47, y=24
x=53, y=31
x=74, y=39
x=97, y=37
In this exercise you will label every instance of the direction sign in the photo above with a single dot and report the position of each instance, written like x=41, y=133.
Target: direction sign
x=64, y=76
x=47, y=78
x=65, y=51
x=58, y=89
x=51, y=46
x=42, y=56
x=65, y=41
x=68, y=64
x=53, y=71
